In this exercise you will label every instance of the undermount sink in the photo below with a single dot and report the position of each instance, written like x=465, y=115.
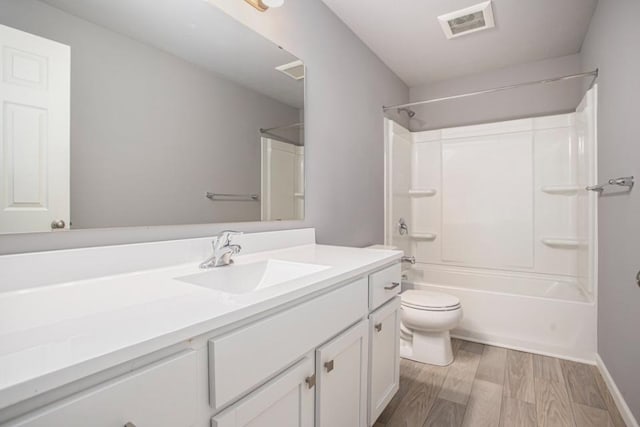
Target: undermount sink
x=244, y=278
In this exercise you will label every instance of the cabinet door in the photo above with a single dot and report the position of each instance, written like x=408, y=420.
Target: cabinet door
x=286, y=401
x=341, y=366
x=384, y=357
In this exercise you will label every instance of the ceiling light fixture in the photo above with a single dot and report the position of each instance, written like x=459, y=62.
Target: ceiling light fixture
x=263, y=5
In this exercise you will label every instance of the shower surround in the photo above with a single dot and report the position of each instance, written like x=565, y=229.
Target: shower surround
x=498, y=216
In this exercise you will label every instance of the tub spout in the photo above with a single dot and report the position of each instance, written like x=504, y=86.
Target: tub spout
x=409, y=259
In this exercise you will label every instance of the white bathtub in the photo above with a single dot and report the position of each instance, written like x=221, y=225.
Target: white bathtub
x=536, y=314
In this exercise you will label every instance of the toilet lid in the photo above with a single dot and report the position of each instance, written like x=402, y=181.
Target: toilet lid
x=429, y=300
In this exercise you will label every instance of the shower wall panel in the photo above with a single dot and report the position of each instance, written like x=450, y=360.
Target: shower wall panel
x=487, y=201
x=499, y=196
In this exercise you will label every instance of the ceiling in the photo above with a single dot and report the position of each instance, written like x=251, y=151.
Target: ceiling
x=200, y=33
x=407, y=36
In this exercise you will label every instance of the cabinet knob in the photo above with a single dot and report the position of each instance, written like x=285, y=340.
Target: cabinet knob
x=329, y=365
x=57, y=225
x=311, y=381
x=129, y=424
x=392, y=286
x=378, y=326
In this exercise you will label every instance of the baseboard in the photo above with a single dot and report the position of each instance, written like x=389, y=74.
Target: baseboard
x=625, y=412
x=497, y=341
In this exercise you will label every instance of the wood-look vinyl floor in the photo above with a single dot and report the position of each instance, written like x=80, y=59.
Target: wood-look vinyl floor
x=491, y=386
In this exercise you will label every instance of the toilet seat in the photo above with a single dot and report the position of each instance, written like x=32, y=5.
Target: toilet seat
x=429, y=301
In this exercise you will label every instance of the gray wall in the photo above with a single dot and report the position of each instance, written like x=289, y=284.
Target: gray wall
x=613, y=45
x=554, y=98
x=346, y=87
x=151, y=133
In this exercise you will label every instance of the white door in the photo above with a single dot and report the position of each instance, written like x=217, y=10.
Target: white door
x=341, y=366
x=299, y=183
x=286, y=401
x=384, y=357
x=34, y=139
x=280, y=181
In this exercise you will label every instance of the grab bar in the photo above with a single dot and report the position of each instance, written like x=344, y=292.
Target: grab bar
x=226, y=197
x=625, y=181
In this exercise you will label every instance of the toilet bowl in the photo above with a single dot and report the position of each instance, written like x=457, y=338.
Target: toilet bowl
x=427, y=318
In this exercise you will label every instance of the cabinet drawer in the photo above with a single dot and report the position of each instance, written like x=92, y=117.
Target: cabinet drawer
x=384, y=357
x=384, y=285
x=287, y=400
x=161, y=395
x=247, y=357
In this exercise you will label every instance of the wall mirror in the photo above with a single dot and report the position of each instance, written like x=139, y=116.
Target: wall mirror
x=141, y=113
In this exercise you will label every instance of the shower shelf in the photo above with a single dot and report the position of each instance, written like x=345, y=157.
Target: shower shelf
x=561, y=243
x=426, y=192
x=561, y=189
x=423, y=236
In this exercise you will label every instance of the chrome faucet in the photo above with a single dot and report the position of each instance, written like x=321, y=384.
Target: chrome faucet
x=223, y=250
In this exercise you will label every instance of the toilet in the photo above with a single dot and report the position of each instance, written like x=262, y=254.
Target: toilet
x=427, y=317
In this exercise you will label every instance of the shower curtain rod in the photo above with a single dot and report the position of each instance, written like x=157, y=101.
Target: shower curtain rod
x=295, y=125
x=593, y=73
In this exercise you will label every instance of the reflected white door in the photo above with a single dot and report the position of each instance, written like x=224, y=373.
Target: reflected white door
x=282, y=181
x=34, y=139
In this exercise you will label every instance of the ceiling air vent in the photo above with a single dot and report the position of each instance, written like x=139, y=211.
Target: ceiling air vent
x=294, y=69
x=467, y=21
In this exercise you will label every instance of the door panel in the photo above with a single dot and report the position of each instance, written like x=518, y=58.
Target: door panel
x=384, y=358
x=286, y=401
x=341, y=367
x=34, y=139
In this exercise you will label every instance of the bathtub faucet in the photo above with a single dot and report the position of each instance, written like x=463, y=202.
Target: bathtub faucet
x=409, y=259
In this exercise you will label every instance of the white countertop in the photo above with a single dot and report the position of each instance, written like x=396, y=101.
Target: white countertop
x=53, y=335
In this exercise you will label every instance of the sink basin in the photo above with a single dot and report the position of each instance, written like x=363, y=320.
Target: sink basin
x=244, y=278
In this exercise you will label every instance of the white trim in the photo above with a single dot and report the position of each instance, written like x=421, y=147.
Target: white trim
x=624, y=409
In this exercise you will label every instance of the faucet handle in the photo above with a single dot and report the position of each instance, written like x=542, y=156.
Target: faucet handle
x=225, y=237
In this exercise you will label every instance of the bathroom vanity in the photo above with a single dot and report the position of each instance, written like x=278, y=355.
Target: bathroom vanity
x=292, y=333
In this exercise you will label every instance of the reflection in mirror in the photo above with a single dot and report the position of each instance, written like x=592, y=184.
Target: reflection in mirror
x=138, y=113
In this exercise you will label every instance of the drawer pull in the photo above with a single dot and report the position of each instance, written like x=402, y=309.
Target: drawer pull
x=129, y=424
x=329, y=365
x=392, y=286
x=311, y=381
x=378, y=326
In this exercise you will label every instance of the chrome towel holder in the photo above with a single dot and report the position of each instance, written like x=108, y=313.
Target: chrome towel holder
x=227, y=197
x=625, y=181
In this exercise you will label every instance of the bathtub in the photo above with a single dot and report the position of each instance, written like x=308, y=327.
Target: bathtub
x=544, y=315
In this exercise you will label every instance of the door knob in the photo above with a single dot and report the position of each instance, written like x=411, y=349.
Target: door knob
x=402, y=227
x=58, y=224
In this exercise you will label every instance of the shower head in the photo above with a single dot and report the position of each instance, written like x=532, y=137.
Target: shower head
x=409, y=112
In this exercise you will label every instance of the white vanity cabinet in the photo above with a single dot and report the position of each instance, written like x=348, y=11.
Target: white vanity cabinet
x=329, y=359
x=356, y=371
x=341, y=369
